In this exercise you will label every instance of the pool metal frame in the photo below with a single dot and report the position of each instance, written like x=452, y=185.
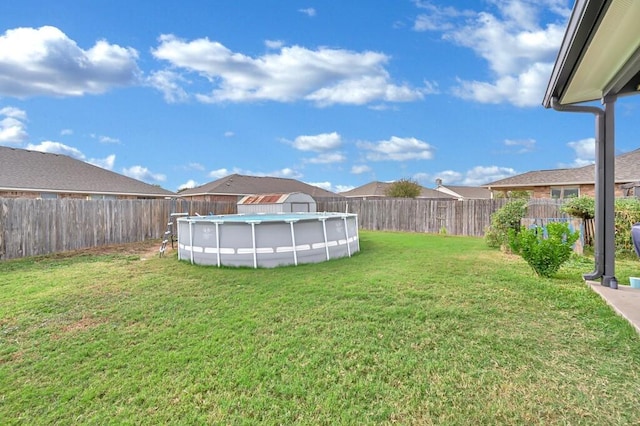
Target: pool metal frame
x=267, y=246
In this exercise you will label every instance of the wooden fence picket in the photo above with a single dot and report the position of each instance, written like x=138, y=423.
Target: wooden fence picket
x=31, y=227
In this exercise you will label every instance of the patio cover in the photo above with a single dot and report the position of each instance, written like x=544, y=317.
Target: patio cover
x=599, y=59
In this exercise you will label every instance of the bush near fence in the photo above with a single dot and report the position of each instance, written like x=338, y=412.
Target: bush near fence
x=31, y=227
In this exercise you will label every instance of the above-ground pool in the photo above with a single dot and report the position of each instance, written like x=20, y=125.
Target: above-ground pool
x=267, y=240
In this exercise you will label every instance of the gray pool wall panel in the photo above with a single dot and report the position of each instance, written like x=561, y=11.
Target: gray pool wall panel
x=267, y=240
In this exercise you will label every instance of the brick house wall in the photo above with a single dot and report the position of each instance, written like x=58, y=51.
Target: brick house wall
x=545, y=191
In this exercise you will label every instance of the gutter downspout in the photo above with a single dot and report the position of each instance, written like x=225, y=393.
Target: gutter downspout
x=604, y=202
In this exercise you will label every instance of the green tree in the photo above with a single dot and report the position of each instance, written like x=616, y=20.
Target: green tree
x=404, y=188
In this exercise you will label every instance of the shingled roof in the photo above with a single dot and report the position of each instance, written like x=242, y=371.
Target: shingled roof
x=465, y=192
x=626, y=170
x=378, y=190
x=34, y=171
x=241, y=185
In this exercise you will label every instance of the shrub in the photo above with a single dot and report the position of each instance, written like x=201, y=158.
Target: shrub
x=512, y=194
x=506, y=218
x=545, y=249
x=580, y=207
x=404, y=188
x=627, y=214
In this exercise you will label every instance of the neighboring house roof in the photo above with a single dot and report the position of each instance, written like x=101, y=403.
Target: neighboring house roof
x=33, y=171
x=379, y=189
x=371, y=189
x=465, y=192
x=626, y=170
x=241, y=185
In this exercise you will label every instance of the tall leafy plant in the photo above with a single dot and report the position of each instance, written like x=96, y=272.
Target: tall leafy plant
x=583, y=207
x=627, y=213
x=545, y=249
x=505, y=219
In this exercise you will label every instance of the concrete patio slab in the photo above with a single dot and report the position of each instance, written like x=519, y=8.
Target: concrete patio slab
x=625, y=301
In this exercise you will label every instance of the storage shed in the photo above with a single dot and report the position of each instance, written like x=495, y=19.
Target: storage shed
x=295, y=202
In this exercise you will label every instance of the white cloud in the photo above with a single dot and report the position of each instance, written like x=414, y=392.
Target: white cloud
x=108, y=139
x=66, y=132
x=188, y=184
x=168, y=82
x=521, y=145
x=476, y=176
x=220, y=173
x=44, y=61
x=324, y=185
x=53, y=147
x=423, y=179
x=328, y=158
x=106, y=163
x=309, y=11
x=105, y=139
x=397, y=149
x=143, y=174
x=274, y=44
x=229, y=134
x=585, y=152
x=481, y=175
x=523, y=90
x=284, y=173
x=13, y=112
x=436, y=18
x=363, y=90
x=343, y=188
x=359, y=169
x=448, y=177
x=57, y=148
x=194, y=166
x=318, y=143
x=13, y=130
x=330, y=75
x=519, y=50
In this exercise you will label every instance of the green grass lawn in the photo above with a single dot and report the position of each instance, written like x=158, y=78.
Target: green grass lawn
x=414, y=329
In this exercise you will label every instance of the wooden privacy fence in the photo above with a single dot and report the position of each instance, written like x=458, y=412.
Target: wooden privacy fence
x=453, y=217
x=31, y=227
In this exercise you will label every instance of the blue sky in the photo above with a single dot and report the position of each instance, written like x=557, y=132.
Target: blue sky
x=336, y=94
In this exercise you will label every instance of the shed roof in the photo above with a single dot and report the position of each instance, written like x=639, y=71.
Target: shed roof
x=25, y=170
x=295, y=197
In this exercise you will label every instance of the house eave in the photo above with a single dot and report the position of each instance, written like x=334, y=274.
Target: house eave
x=217, y=194
x=599, y=55
x=74, y=191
